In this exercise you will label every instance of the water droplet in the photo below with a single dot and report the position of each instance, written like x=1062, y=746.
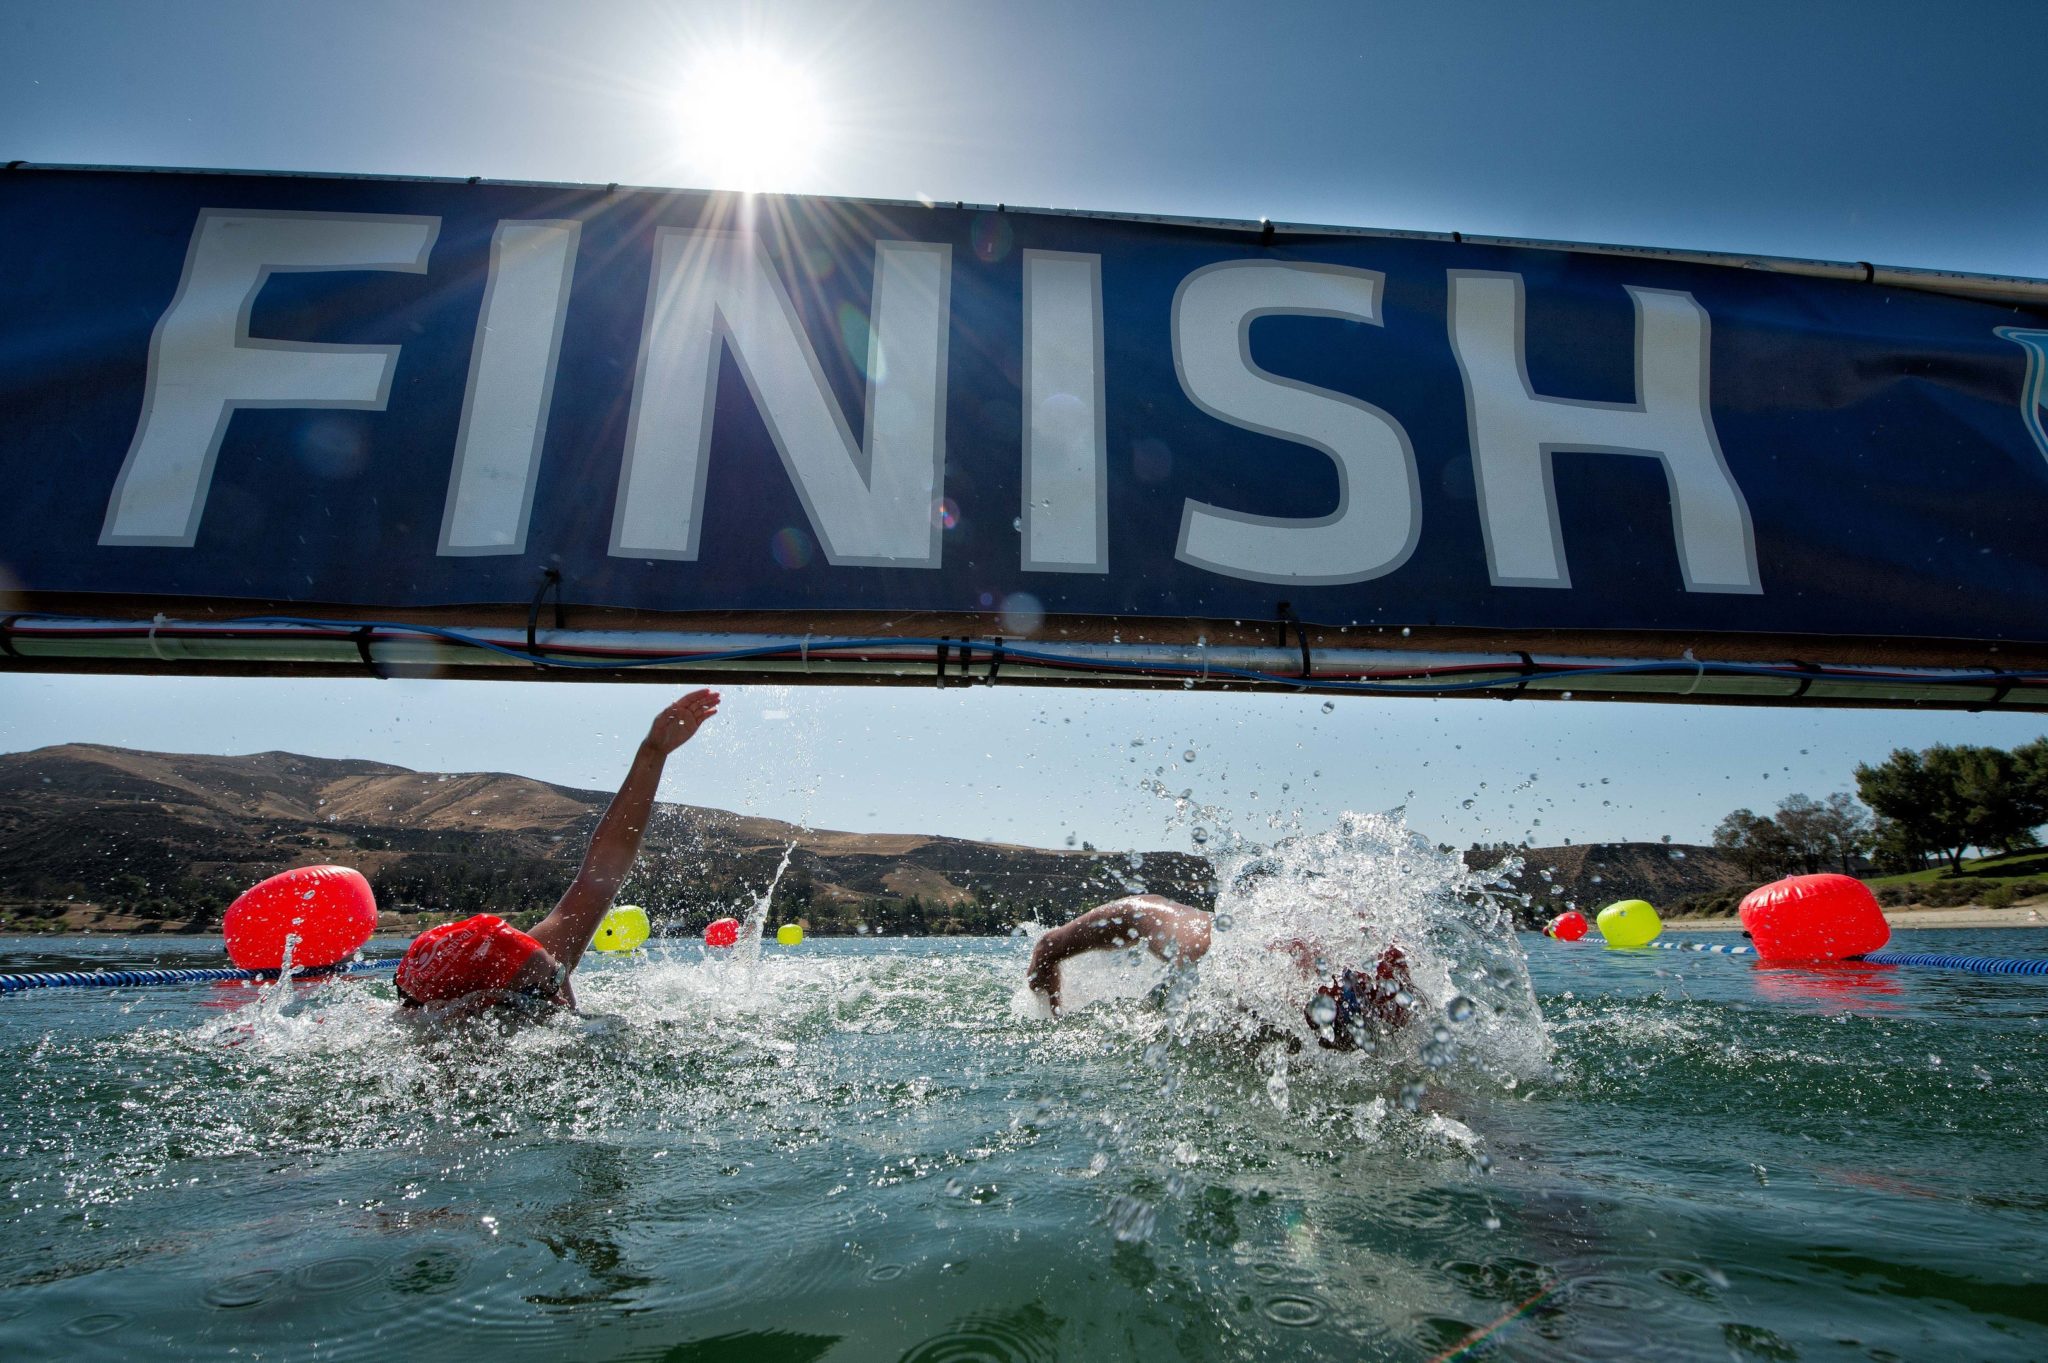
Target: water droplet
x=1328, y=706
x=1188, y=756
x=1459, y=1009
x=1200, y=835
x=1017, y=524
x=1405, y=631
x=1322, y=1010
x=1223, y=921
x=1467, y=803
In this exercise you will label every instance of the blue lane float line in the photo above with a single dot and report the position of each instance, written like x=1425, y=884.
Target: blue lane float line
x=1715, y=948
x=110, y=979
x=1980, y=965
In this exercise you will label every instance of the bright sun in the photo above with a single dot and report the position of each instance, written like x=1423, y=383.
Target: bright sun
x=750, y=120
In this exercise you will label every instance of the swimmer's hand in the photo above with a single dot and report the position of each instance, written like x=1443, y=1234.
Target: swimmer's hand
x=1044, y=975
x=677, y=724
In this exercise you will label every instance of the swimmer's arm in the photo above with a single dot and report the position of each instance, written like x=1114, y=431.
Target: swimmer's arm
x=1172, y=932
x=566, y=932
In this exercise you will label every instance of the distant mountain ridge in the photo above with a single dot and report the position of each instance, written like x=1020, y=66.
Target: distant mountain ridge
x=118, y=839
x=131, y=839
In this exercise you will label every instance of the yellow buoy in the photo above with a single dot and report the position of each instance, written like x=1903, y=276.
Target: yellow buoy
x=1629, y=923
x=623, y=929
x=789, y=934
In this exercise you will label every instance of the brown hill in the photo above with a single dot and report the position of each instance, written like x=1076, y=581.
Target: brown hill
x=1592, y=875
x=93, y=835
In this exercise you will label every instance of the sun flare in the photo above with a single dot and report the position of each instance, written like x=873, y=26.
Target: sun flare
x=750, y=120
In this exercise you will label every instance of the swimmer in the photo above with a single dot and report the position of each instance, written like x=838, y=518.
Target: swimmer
x=483, y=960
x=1360, y=1005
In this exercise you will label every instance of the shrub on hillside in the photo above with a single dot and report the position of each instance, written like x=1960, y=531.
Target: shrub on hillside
x=1949, y=894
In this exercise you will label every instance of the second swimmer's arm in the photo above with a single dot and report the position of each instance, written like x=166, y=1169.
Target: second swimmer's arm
x=1172, y=932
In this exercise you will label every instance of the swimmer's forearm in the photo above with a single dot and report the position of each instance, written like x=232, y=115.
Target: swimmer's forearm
x=619, y=833
x=1170, y=933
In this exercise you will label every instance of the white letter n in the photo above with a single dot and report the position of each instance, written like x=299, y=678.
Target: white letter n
x=871, y=502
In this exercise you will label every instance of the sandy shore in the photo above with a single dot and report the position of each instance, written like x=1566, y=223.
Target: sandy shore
x=2029, y=915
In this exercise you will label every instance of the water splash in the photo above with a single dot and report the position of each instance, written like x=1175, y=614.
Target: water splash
x=748, y=952
x=1336, y=900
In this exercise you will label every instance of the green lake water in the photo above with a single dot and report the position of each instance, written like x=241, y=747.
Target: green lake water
x=871, y=1150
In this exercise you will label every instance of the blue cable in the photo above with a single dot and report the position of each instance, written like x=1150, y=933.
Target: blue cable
x=109, y=979
x=1093, y=665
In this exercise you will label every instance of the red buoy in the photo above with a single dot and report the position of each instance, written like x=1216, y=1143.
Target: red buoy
x=1568, y=926
x=1814, y=918
x=722, y=932
x=330, y=909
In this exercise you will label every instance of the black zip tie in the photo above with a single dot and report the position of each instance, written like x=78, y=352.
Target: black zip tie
x=995, y=661
x=7, y=634
x=945, y=649
x=966, y=657
x=362, y=637
x=1812, y=672
x=1287, y=617
x=1528, y=675
x=550, y=581
x=16, y=165
x=1265, y=231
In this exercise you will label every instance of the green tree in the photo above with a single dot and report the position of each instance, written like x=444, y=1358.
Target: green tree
x=1997, y=807
x=2030, y=766
x=1756, y=843
x=1895, y=850
x=1824, y=833
x=1914, y=792
x=1952, y=798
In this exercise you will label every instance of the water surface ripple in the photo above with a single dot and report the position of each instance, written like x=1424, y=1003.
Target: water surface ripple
x=871, y=1150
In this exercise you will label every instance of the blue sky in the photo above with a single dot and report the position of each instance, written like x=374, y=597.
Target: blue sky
x=1892, y=133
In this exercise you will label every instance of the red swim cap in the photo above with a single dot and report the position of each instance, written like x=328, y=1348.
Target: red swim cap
x=457, y=959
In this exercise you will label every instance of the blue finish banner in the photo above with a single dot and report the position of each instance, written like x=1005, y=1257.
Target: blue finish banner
x=393, y=394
